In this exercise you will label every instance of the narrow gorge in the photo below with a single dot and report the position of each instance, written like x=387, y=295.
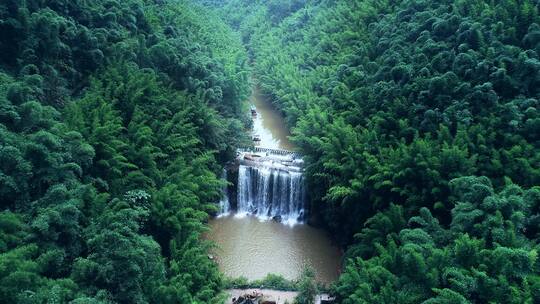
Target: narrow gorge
x=261, y=227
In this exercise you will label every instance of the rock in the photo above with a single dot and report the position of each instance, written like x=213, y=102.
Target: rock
x=277, y=218
x=248, y=299
x=242, y=300
x=267, y=300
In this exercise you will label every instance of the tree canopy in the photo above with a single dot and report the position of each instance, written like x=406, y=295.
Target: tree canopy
x=419, y=122
x=419, y=125
x=115, y=118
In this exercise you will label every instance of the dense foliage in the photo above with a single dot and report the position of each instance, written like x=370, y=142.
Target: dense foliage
x=307, y=288
x=420, y=125
x=114, y=117
x=306, y=280
x=419, y=122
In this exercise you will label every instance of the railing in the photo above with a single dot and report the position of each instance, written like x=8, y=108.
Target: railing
x=273, y=159
x=271, y=151
x=277, y=166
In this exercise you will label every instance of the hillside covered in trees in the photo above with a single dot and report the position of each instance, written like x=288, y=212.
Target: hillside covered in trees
x=114, y=118
x=419, y=122
x=420, y=125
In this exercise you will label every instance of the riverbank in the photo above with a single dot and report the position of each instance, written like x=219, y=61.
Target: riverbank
x=279, y=296
x=255, y=246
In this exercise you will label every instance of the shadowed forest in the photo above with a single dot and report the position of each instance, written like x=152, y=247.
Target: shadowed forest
x=418, y=121
x=114, y=116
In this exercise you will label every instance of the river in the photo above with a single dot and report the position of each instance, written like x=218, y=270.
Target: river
x=269, y=124
x=250, y=247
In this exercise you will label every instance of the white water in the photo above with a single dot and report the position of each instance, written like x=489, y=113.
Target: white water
x=268, y=192
x=252, y=246
x=224, y=204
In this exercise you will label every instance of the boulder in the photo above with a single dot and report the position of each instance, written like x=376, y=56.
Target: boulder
x=246, y=299
x=267, y=300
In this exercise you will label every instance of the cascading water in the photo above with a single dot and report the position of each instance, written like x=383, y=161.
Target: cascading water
x=269, y=186
x=266, y=181
x=224, y=204
x=271, y=193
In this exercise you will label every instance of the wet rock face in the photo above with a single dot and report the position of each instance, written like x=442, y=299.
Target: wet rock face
x=277, y=218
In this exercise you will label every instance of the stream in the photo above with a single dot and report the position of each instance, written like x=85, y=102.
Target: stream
x=251, y=244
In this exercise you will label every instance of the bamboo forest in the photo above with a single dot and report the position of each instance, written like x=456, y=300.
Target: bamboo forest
x=270, y=151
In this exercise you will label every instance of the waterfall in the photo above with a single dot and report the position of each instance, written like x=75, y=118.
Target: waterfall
x=224, y=204
x=271, y=193
x=270, y=185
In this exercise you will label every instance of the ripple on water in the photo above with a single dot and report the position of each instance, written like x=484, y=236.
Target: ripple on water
x=253, y=248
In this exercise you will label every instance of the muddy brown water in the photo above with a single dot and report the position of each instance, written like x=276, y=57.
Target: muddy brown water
x=253, y=248
x=269, y=124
